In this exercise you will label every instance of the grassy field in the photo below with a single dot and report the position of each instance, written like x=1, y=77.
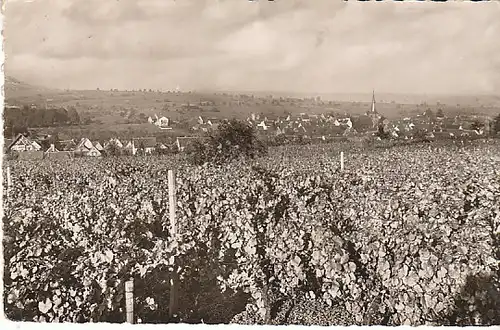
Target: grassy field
x=106, y=106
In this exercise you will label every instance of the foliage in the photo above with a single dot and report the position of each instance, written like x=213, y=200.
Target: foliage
x=13, y=131
x=429, y=114
x=232, y=140
x=52, y=139
x=477, y=125
x=420, y=135
x=112, y=149
x=381, y=132
x=362, y=123
x=496, y=125
x=34, y=117
x=396, y=238
x=278, y=140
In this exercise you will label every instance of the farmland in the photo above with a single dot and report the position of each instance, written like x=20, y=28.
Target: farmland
x=405, y=235
x=113, y=109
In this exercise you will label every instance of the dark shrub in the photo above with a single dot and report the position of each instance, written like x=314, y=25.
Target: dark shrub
x=232, y=140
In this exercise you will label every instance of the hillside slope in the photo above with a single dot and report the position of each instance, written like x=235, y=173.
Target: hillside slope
x=15, y=88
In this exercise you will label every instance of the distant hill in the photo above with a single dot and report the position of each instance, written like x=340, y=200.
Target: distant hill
x=18, y=90
x=15, y=88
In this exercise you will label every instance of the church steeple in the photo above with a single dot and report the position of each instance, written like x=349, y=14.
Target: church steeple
x=373, y=110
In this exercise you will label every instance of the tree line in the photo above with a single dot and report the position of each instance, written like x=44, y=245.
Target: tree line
x=19, y=120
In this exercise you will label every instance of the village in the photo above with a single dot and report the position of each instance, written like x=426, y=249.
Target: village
x=312, y=127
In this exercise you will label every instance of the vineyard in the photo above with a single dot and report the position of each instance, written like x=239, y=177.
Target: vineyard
x=403, y=235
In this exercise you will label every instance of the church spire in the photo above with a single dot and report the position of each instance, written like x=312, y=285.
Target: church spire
x=373, y=103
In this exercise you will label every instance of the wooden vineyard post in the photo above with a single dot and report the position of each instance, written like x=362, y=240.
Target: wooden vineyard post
x=174, y=279
x=172, y=202
x=9, y=179
x=129, y=300
x=341, y=160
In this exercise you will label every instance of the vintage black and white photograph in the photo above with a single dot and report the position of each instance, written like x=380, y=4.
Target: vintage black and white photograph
x=287, y=162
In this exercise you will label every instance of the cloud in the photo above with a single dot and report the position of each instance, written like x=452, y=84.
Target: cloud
x=105, y=12
x=296, y=45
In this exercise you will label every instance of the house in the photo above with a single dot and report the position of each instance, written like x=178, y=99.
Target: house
x=93, y=152
x=22, y=143
x=346, y=122
x=162, y=122
x=86, y=148
x=205, y=127
x=209, y=124
x=37, y=146
x=84, y=145
x=262, y=125
x=98, y=145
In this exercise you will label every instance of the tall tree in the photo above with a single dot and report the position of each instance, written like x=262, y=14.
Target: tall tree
x=73, y=116
x=496, y=125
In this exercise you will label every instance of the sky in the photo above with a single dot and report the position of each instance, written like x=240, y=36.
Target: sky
x=306, y=46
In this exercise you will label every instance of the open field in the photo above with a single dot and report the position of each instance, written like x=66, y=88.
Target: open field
x=110, y=107
x=108, y=131
x=408, y=235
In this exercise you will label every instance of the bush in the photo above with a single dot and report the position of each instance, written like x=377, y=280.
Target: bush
x=232, y=140
x=381, y=133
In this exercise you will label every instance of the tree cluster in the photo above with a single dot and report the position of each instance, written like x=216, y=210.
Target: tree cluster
x=232, y=140
x=19, y=120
